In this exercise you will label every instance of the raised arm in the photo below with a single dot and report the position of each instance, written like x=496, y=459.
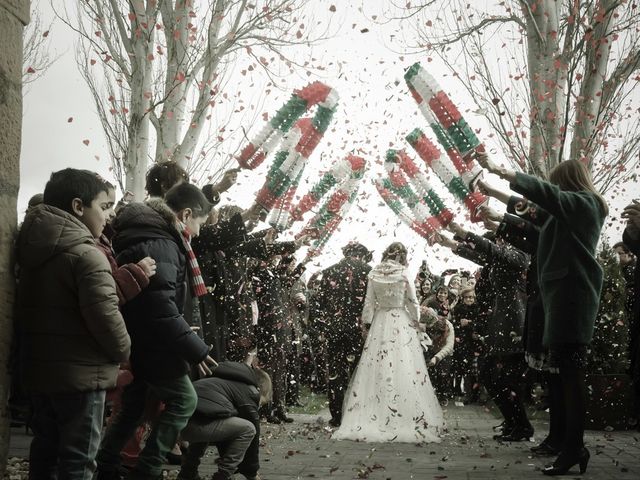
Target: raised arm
x=527, y=210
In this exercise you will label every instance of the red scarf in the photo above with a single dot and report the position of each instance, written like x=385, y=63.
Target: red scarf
x=198, y=288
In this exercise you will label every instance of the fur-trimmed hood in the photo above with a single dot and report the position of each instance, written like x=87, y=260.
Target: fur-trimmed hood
x=388, y=271
x=140, y=221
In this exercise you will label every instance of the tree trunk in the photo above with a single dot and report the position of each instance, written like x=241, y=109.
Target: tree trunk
x=141, y=81
x=547, y=76
x=14, y=15
x=588, y=104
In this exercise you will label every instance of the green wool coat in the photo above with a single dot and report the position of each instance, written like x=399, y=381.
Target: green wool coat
x=569, y=274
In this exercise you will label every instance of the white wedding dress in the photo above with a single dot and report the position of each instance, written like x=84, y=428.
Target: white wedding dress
x=390, y=398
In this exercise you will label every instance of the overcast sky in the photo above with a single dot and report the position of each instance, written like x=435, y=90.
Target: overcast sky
x=376, y=111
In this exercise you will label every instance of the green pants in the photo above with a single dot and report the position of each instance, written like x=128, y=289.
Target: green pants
x=179, y=400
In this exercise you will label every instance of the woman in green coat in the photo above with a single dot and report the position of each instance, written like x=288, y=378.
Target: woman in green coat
x=570, y=283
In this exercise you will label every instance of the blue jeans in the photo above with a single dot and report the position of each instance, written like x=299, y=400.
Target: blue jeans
x=179, y=400
x=66, y=429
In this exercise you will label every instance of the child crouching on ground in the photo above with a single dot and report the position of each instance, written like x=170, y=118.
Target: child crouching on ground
x=227, y=416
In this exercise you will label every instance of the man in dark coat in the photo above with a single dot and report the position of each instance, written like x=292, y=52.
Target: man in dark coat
x=164, y=347
x=223, y=249
x=503, y=366
x=341, y=298
x=274, y=329
x=227, y=416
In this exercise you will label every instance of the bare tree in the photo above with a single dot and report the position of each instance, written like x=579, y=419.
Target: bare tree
x=14, y=15
x=554, y=78
x=158, y=68
x=36, y=57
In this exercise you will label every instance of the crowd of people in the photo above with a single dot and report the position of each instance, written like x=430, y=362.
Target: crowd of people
x=185, y=326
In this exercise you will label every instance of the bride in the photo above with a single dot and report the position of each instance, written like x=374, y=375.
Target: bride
x=390, y=398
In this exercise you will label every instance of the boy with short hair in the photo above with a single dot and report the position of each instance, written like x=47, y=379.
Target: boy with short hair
x=72, y=335
x=164, y=345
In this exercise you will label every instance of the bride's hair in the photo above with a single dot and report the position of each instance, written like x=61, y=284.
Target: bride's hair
x=396, y=251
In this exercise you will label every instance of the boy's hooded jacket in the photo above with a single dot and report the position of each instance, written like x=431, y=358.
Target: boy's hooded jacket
x=163, y=344
x=71, y=331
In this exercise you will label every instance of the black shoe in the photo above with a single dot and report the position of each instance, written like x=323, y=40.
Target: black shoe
x=564, y=463
x=502, y=427
x=334, y=422
x=517, y=435
x=282, y=415
x=545, y=449
x=272, y=418
x=283, y=418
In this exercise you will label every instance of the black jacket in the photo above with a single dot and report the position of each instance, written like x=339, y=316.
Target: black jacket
x=508, y=266
x=232, y=392
x=163, y=346
x=520, y=228
x=222, y=251
x=341, y=294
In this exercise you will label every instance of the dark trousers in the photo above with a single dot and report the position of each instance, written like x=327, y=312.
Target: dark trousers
x=343, y=354
x=272, y=352
x=503, y=377
x=66, y=429
x=179, y=400
x=441, y=377
x=214, y=327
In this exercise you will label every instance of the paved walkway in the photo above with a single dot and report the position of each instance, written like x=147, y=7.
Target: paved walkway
x=304, y=450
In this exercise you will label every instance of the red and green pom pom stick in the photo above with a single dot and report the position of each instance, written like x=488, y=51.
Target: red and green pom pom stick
x=316, y=93
x=349, y=167
x=397, y=184
x=445, y=119
x=283, y=178
x=426, y=230
x=334, y=210
x=430, y=154
x=421, y=185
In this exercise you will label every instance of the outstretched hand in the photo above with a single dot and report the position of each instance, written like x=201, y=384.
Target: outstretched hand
x=486, y=188
x=488, y=213
x=304, y=239
x=632, y=214
x=485, y=162
x=445, y=241
x=205, y=367
x=457, y=229
x=228, y=180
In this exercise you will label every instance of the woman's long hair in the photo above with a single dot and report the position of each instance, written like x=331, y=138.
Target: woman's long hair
x=396, y=251
x=573, y=176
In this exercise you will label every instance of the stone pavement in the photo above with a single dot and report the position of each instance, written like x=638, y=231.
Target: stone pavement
x=304, y=450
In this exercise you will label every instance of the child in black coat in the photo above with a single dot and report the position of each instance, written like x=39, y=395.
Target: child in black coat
x=227, y=416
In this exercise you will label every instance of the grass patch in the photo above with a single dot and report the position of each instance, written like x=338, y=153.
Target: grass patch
x=312, y=403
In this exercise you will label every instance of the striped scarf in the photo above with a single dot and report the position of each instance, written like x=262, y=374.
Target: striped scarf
x=198, y=288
